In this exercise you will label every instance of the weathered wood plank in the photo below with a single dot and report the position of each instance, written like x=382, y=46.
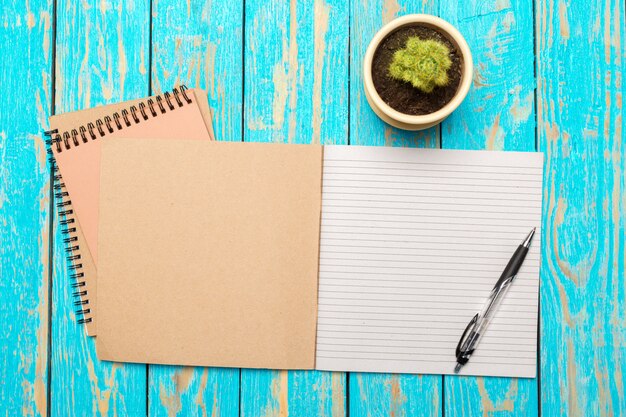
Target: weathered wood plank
x=102, y=54
x=199, y=44
x=296, y=90
x=395, y=395
x=296, y=393
x=498, y=114
x=580, y=70
x=25, y=87
x=296, y=69
x=192, y=391
x=381, y=394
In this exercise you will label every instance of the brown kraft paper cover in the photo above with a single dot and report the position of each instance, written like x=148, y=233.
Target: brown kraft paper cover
x=209, y=253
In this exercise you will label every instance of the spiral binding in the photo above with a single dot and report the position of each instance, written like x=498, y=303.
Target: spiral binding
x=94, y=130
x=118, y=120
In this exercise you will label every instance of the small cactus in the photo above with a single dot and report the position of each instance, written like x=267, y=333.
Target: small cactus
x=423, y=63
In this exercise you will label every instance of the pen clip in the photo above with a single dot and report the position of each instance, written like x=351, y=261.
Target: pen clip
x=469, y=325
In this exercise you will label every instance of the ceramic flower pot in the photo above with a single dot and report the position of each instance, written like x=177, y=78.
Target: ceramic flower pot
x=453, y=98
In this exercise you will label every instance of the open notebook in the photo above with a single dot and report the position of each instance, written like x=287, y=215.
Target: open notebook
x=76, y=150
x=294, y=257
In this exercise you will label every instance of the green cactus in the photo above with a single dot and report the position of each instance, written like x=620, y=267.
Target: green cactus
x=423, y=63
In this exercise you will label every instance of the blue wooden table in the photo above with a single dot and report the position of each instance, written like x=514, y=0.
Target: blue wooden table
x=549, y=76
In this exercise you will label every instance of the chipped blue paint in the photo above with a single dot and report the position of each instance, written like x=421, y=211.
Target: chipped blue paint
x=25, y=87
x=101, y=53
x=581, y=130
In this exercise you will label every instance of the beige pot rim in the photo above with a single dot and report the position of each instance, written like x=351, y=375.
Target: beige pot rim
x=455, y=37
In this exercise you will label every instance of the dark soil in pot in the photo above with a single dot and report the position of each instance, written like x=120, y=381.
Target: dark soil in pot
x=401, y=95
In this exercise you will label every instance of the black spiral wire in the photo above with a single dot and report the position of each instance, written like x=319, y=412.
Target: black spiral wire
x=117, y=120
x=65, y=141
x=67, y=227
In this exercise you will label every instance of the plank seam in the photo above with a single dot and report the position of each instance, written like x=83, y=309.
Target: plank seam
x=243, y=86
x=349, y=91
x=150, y=12
x=51, y=211
x=443, y=396
x=243, y=117
x=347, y=382
x=439, y=139
x=239, y=396
x=150, y=5
x=349, y=138
x=536, y=97
x=149, y=93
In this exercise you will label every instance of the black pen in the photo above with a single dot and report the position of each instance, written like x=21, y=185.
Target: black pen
x=479, y=323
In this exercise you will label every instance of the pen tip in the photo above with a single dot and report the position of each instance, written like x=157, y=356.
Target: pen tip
x=457, y=368
x=529, y=238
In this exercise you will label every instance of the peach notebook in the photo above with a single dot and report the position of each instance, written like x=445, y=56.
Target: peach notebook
x=76, y=149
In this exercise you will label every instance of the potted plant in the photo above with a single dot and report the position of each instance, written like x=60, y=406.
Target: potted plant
x=417, y=70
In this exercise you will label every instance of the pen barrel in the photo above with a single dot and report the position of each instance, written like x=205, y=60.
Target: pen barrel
x=483, y=319
x=491, y=306
x=514, y=264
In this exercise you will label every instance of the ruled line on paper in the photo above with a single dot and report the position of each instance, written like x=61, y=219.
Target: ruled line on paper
x=423, y=341
x=412, y=241
x=423, y=177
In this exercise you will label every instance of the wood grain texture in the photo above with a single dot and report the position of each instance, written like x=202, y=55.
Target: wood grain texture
x=193, y=391
x=25, y=34
x=382, y=394
x=497, y=114
x=296, y=69
x=102, y=52
x=296, y=90
x=200, y=45
x=580, y=69
x=270, y=393
x=395, y=395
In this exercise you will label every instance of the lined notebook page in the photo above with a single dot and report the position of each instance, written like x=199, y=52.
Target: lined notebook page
x=412, y=242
